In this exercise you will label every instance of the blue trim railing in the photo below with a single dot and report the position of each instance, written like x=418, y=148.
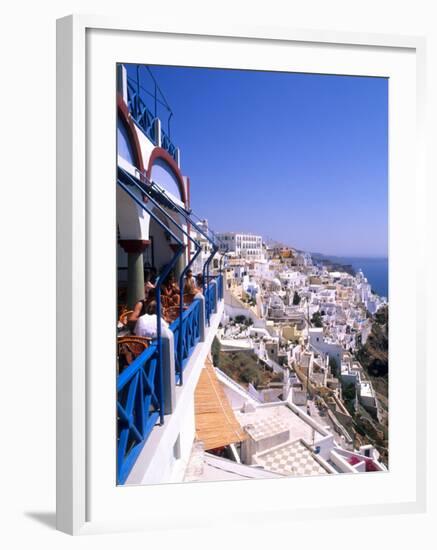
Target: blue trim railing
x=220, y=286
x=210, y=299
x=147, y=190
x=217, y=244
x=140, y=113
x=121, y=181
x=186, y=335
x=187, y=216
x=139, y=403
x=139, y=99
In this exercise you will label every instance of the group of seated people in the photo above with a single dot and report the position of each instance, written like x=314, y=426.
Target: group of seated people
x=143, y=320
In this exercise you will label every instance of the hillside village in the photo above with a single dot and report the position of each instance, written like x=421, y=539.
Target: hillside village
x=303, y=325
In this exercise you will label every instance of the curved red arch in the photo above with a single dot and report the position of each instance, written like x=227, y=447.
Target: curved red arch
x=126, y=119
x=160, y=153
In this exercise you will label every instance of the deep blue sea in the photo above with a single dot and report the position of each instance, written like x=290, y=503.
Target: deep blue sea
x=374, y=269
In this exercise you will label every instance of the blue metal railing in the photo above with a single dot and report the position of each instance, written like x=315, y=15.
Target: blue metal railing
x=210, y=298
x=152, y=190
x=187, y=216
x=139, y=402
x=217, y=243
x=147, y=397
x=140, y=113
x=121, y=181
x=186, y=335
x=220, y=286
x=148, y=190
x=138, y=100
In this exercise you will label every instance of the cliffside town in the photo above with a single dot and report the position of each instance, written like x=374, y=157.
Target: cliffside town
x=314, y=334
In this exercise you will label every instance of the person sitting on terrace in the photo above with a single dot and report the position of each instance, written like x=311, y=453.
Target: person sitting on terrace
x=146, y=324
x=199, y=281
x=190, y=288
x=140, y=309
x=171, y=292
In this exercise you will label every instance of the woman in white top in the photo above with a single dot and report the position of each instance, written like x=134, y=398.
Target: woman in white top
x=146, y=325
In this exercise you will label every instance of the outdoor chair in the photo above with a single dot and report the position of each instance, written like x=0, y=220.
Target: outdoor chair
x=123, y=319
x=129, y=348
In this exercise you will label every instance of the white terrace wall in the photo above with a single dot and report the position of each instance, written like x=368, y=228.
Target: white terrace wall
x=234, y=307
x=326, y=444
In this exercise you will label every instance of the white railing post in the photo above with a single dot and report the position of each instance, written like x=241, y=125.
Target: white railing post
x=157, y=132
x=168, y=370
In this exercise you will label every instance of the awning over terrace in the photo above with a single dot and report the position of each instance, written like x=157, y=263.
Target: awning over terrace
x=216, y=424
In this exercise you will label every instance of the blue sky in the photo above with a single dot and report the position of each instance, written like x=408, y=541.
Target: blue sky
x=300, y=158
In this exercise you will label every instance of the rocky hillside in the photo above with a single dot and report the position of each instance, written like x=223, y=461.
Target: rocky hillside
x=374, y=354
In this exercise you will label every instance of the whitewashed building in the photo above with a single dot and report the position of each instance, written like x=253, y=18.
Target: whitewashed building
x=242, y=245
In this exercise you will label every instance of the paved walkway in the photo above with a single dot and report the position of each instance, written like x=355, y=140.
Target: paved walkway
x=291, y=459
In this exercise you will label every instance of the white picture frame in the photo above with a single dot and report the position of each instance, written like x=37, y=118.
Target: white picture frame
x=76, y=211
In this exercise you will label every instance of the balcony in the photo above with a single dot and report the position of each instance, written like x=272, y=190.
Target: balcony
x=139, y=403
x=151, y=402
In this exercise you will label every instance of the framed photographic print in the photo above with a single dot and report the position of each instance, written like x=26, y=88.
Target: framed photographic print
x=233, y=286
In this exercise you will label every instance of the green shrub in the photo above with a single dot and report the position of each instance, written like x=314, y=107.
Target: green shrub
x=215, y=352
